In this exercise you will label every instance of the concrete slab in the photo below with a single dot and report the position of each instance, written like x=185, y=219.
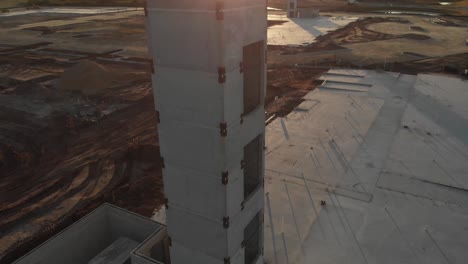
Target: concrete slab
x=116, y=253
x=106, y=235
x=302, y=31
x=370, y=177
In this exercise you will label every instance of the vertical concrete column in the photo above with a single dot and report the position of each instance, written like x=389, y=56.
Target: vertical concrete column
x=209, y=79
x=292, y=8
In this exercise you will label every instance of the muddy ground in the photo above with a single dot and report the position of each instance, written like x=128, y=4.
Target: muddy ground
x=66, y=148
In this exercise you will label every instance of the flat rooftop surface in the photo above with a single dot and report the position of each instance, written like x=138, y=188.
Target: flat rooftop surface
x=301, y=31
x=387, y=153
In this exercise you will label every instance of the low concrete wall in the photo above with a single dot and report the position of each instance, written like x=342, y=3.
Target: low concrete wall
x=87, y=237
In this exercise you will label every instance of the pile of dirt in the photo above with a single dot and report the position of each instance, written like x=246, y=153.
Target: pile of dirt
x=88, y=77
x=357, y=31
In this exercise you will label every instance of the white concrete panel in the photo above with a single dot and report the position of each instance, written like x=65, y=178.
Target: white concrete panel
x=241, y=28
x=195, y=191
x=253, y=125
x=235, y=192
x=203, y=193
x=240, y=221
x=224, y=38
x=233, y=97
x=198, y=233
x=179, y=148
x=197, y=97
x=181, y=254
x=208, y=235
x=203, y=36
x=182, y=40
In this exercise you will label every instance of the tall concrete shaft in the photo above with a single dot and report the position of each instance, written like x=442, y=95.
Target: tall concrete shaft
x=209, y=87
x=292, y=8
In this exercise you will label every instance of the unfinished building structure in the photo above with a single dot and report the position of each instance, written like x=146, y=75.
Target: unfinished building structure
x=209, y=86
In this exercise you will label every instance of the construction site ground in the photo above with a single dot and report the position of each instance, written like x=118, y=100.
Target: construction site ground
x=78, y=126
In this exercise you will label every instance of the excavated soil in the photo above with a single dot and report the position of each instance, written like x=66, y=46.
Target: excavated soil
x=356, y=32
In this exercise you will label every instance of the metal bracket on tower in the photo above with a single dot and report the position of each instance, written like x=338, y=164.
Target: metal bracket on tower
x=223, y=129
x=225, y=178
x=219, y=10
x=227, y=260
x=221, y=75
x=162, y=163
x=226, y=222
x=166, y=203
x=241, y=67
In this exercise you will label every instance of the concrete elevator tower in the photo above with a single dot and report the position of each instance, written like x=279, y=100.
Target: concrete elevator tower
x=292, y=8
x=209, y=85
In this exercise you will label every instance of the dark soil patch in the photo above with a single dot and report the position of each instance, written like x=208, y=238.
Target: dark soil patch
x=414, y=54
x=413, y=36
x=44, y=30
x=314, y=47
x=82, y=35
